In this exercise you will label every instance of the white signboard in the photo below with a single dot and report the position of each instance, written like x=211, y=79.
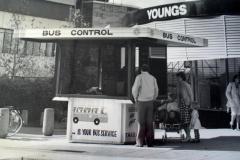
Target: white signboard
x=95, y=120
x=130, y=123
x=167, y=38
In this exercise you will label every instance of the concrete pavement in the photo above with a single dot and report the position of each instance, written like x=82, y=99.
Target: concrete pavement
x=216, y=144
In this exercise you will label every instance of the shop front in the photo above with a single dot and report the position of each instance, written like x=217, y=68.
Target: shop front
x=209, y=68
x=95, y=69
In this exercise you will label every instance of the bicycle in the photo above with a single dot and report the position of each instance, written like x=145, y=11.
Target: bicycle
x=15, y=121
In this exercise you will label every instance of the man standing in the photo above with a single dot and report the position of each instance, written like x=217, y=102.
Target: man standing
x=145, y=91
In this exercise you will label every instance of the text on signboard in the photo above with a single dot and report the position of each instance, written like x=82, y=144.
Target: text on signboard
x=167, y=11
x=97, y=132
x=79, y=32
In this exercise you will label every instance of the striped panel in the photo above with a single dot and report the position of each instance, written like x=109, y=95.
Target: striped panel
x=212, y=29
x=171, y=25
x=222, y=32
x=233, y=35
x=233, y=65
x=157, y=52
x=173, y=53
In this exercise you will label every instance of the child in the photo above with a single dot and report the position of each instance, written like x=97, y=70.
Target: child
x=168, y=111
x=195, y=122
x=173, y=110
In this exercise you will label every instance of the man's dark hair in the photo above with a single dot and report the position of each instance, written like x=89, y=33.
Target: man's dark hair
x=181, y=75
x=145, y=68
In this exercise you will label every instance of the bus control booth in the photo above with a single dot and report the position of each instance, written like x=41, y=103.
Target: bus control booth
x=95, y=70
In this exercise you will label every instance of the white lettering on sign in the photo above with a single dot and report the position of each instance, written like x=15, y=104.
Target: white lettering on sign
x=167, y=11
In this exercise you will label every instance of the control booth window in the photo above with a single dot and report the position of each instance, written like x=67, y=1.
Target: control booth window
x=99, y=69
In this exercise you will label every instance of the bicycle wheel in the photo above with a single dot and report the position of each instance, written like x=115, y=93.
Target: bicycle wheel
x=15, y=123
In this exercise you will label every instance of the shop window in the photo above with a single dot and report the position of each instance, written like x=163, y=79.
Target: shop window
x=42, y=49
x=5, y=40
x=212, y=83
x=36, y=49
x=29, y=48
x=39, y=49
x=1, y=41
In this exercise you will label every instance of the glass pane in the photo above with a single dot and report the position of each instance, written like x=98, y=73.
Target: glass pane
x=29, y=48
x=123, y=57
x=137, y=57
x=54, y=49
x=36, y=49
x=48, y=51
x=212, y=84
x=42, y=49
x=100, y=70
x=7, y=42
x=85, y=66
x=1, y=41
x=114, y=74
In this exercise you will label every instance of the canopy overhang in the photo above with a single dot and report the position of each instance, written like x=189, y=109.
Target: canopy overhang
x=157, y=36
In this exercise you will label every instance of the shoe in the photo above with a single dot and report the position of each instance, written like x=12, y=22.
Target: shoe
x=231, y=126
x=237, y=127
x=187, y=139
x=149, y=145
x=195, y=141
x=139, y=145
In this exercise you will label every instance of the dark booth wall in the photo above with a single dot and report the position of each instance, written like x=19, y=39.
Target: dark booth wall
x=158, y=68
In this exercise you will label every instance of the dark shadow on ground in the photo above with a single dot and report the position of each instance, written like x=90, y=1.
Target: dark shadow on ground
x=222, y=143
x=70, y=151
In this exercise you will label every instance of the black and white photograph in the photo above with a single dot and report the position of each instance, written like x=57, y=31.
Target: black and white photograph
x=119, y=79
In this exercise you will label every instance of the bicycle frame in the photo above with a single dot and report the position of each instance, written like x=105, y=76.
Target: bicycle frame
x=15, y=121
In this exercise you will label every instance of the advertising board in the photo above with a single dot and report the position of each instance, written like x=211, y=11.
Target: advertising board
x=95, y=120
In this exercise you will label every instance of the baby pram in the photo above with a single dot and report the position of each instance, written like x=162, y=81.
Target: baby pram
x=168, y=119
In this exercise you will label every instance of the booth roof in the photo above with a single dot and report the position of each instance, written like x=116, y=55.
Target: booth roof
x=158, y=36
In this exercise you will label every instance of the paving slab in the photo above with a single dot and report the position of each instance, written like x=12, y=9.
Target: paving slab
x=216, y=144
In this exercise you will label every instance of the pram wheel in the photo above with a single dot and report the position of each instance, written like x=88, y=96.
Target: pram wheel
x=164, y=138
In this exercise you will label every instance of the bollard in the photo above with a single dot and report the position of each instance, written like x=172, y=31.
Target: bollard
x=48, y=122
x=4, y=122
x=41, y=119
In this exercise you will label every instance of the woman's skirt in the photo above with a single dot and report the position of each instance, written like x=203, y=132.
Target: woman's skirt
x=185, y=114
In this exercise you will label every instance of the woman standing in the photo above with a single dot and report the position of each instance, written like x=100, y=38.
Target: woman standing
x=185, y=99
x=233, y=97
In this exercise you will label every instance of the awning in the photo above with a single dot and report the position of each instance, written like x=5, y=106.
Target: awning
x=159, y=36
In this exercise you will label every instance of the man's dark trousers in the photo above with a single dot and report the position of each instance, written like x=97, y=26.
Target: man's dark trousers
x=145, y=123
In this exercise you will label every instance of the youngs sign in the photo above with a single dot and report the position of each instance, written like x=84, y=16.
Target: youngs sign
x=162, y=12
x=183, y=10
x=167, y=11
